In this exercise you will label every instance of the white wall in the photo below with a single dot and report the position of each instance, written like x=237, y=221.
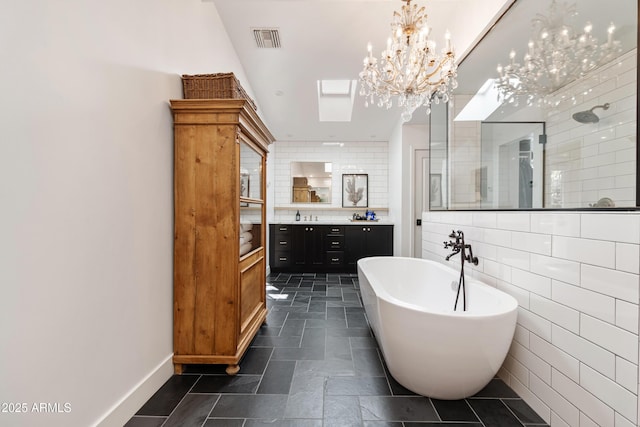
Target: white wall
x=417, y=138
x=574, y=358
x=86, y=161
x=396, y=150
x=405, y=139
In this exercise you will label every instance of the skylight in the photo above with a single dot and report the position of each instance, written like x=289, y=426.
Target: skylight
x=335, y=100
x=482, y=105
x=335, y=87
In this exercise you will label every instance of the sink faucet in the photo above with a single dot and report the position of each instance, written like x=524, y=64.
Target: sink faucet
x=460, y=247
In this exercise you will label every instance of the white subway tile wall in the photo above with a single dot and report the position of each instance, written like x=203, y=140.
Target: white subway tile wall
x=587, y=162
x=371, y=158
x=574, y=357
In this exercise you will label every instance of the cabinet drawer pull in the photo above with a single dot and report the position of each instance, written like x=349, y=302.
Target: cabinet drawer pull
x=335, y=259
x=335, y=230
x=282, y=258
x=335, y=243
x=283, y=242
x=283, y=228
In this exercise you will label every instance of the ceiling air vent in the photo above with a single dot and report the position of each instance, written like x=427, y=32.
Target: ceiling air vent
x=267, y=37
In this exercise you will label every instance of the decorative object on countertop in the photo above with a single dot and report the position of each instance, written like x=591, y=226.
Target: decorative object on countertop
x=355, y=191
x=212, y=86
x=369, y=216
x=298, y=216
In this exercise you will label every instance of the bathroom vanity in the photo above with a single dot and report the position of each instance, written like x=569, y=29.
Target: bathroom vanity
x=317, y=247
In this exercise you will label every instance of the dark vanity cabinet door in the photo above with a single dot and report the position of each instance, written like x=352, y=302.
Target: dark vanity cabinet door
x=379, y=241
x=307, y=250
x=355, y=237
x=367, y=240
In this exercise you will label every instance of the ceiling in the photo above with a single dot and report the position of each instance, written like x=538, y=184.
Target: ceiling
x=327, y=39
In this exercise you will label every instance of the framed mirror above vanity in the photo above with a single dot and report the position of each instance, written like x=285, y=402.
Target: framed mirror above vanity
x=545, y=114
x=311, y=182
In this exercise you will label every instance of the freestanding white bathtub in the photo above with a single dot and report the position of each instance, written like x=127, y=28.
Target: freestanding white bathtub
x=429, y=348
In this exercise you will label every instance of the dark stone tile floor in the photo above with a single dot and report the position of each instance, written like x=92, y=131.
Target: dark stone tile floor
x=316, y=363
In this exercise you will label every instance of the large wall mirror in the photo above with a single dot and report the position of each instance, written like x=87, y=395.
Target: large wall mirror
x=545, y=114
x=311, y=182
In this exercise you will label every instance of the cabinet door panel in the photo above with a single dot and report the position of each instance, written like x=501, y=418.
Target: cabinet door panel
x=379, y=241
x=307, y=246
x=367, y=240
x=314, y=246
x=298, y=254
x=251, y=288
x=355, y=241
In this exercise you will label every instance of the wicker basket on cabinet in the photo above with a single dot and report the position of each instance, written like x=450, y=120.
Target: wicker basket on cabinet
x=214, y=86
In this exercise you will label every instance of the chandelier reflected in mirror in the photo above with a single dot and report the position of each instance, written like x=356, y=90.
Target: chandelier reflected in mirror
x=410, y=68
x=557, y=55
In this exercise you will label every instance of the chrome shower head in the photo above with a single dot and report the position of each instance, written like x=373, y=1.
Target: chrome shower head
x=589, y=116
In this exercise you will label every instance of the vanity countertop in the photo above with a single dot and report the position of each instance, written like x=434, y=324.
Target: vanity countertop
x=333, y=222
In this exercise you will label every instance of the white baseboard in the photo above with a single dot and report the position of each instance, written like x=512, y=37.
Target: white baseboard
x=122, y=411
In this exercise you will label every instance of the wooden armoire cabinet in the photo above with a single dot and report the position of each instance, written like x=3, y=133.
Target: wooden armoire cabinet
x=220, y=230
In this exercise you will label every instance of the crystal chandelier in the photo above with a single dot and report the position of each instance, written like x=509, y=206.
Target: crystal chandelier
x=410, y=67
x=557, y=55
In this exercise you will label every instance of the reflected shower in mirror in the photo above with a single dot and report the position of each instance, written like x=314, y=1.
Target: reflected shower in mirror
x=545, y=113
x=311, y=182
x=510, y=172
